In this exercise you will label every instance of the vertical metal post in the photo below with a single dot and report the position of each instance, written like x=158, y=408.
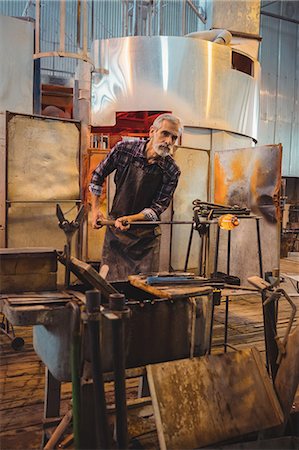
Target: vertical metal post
x=228, y=252
x=270, y=332
x=216, y=250
x=52, y=399
x=201, y=254
x=85, y=30
x=93, y=302
x=226, y=298
x=62, y=26
x=37, y=26
x=79, y=24
x=134, y=18
x=189, y=248
x=92, y=21
x=183, y=5
x=259, y=247
x=75, y=371
x=36, y=87
x=117, y=305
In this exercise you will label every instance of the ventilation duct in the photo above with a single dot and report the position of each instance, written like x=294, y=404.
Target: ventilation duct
x=217, y=36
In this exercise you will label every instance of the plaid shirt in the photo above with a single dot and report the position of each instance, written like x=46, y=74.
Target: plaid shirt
x=125, y=153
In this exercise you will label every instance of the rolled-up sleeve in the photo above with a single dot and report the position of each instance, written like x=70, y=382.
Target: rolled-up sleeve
x=103, y=170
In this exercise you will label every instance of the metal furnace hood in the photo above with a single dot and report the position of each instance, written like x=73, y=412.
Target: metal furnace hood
x=192, y=78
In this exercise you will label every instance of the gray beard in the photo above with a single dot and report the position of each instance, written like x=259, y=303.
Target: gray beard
x=161, y=150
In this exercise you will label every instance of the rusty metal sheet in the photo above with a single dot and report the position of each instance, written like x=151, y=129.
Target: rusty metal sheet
x=249, y=177
x=201, y=401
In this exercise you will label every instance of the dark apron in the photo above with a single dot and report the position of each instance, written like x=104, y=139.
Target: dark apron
x=136, y=250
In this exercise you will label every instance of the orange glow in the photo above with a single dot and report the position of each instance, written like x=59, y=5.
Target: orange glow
x=238, y=169
x=255, y=177
x=220, y=194
x=228, y=222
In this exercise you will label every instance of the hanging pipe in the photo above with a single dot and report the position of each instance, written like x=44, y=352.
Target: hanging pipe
x=217, y=36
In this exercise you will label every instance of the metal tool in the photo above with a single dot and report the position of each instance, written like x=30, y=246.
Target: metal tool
x=69, y=229
x=271, y=295
x=193, y=281
x=111, y=222
x=204, y=214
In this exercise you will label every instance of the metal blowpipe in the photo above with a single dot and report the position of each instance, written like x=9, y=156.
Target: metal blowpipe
x=226, y=222
x=111, y=222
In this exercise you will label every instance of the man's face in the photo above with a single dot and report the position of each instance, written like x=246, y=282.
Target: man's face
x=164, y=138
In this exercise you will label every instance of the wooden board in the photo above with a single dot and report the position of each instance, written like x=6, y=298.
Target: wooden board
x=86, y=273
x=201, y=401
x=169, y=291
x=287, y=378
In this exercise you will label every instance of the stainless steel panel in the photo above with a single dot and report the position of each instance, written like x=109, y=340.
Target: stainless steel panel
x=43, y=159
x=192, y=78
x=43, y=166
x=279, y=93
x=193, y=184
x=16, y=65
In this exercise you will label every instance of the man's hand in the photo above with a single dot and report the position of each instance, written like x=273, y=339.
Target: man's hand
x=123, y=223
x=97, y=215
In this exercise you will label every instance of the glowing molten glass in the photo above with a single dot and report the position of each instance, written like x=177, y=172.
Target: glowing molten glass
x=228, y=222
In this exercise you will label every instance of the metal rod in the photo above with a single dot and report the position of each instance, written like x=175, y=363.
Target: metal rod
x=264, y=297
x=62, y=27
x=67, y=252
x=228, y=252
x=194, y=9
x=211, y=326
x=109, y=222
x=201, y=250
x=37, y=26
x=117, y=306
x=189, y=248
x=59, y=430
x=226, y=324
x=78, y=24
x=259, y=247
x=270, y=335
x=85, y=26
x=277, y=16
x=44, y=201
x=183, y=6
x=216, y=251
x=93, y=301
x=75, y=372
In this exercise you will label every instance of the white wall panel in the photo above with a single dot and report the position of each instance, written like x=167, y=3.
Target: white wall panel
x=279, y=107
x=16, y=65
